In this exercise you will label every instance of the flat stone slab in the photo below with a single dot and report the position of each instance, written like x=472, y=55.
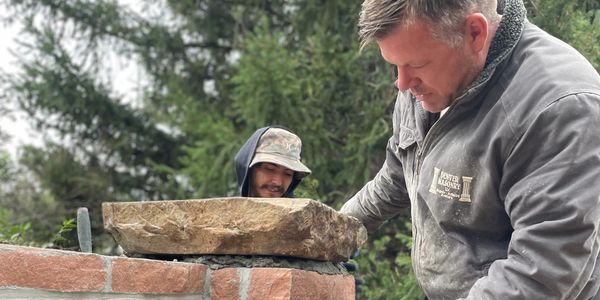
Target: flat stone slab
x=295, y=227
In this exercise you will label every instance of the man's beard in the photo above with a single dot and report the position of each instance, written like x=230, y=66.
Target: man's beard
x=273, y=188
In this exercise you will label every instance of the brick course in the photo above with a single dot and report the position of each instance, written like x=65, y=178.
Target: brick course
x=50, y=269
x=281, y=283
x=46, y=270
x=225, y=284
x=130, y=275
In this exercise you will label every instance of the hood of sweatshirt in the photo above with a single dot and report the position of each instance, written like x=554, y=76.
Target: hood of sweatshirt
x=243, y=159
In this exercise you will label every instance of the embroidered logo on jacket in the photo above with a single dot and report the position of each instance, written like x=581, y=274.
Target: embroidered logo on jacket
x=451, y=186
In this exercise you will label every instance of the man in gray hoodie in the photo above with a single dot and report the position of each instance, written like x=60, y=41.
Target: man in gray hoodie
x=495, y=150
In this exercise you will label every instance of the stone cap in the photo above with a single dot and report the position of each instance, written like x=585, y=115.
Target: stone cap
x=295, y=227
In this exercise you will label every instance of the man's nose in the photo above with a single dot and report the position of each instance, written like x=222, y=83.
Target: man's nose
x=405, y=80
x=277, y=180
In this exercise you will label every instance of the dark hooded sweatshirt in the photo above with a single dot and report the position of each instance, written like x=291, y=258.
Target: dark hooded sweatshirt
x=242, y=164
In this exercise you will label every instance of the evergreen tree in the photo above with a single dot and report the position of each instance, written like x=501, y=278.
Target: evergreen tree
x=217, y=70
x=576, y=22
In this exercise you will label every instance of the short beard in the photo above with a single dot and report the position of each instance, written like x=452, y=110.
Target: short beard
x=273, y=188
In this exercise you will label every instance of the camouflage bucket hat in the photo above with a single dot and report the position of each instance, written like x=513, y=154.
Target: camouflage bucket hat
x=279, y=146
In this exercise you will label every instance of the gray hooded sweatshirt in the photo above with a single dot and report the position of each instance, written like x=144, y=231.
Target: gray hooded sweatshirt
x=504, y=189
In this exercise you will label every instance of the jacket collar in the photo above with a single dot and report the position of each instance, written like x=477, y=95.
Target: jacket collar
x=507, y=35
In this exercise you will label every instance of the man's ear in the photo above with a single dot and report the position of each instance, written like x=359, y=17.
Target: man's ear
x=476, y=32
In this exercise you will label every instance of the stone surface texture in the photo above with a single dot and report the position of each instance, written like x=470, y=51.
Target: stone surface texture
x=294, y=227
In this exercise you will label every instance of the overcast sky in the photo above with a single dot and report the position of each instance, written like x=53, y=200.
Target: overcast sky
x=124, y=76
x=15, y=124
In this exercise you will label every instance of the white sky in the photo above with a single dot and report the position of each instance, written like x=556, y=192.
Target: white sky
x=126, y=77
x=14, y=124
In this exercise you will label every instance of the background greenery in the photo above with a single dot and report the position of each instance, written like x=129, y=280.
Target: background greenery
x=216, y=70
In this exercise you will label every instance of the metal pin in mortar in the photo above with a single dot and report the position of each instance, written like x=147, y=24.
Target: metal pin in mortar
x=84, y=230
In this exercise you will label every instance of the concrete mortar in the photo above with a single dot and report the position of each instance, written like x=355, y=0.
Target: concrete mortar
x=216, y=262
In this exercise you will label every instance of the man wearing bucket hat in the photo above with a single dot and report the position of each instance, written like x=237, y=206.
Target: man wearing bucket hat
x=269, y=165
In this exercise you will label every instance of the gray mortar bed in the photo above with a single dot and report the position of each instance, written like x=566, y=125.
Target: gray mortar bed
x=216, y=262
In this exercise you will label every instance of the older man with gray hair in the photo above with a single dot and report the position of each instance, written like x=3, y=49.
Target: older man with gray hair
x=495, y=150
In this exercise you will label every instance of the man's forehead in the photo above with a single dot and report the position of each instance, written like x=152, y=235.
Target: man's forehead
x=278, y=166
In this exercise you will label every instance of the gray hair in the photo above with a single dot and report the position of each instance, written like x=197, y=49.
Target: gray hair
x=378, y=18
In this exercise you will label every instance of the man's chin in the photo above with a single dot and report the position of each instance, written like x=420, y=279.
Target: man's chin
x=431, y=109
x=434, y=107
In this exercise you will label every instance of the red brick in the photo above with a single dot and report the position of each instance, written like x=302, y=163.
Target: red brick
x=225, y=284
x=283, y=284
x=312, y=285
x=58, y=270
x=145, y=276
x=270, y=283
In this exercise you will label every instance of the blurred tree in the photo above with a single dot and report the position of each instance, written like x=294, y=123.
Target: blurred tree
x=216, y=70
x=28, y=213
x=576, y=22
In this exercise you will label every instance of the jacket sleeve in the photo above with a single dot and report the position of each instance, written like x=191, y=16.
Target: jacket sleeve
x=551, y=191
x=385, y=196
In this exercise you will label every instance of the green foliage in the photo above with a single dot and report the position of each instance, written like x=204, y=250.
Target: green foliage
x=66, y=237
x=576, y=22
x=25, y=208
x=311, y=88
x=308, y=189
x=5, y=173
x=75, y=183
x=19, y=234
x=215, y=72
x=209, y=162
x=385, y=266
